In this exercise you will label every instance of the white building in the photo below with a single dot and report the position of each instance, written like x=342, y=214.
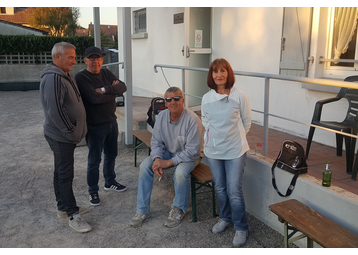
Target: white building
x=273, y=40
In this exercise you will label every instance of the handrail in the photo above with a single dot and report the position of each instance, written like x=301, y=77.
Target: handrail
x=267, y=78
x=321, y=60
x=115, y=63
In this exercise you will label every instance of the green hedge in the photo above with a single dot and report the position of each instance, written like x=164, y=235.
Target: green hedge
x=32, y=44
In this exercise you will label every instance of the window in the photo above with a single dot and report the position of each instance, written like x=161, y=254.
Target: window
x=140, y=24
x=3, y=10
x=342, y=42
x=140, y=21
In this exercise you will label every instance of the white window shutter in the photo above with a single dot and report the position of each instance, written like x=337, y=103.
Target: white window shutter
x=295, y=41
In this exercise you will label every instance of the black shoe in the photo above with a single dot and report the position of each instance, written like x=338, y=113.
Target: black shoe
x=116, y=187
x=94, y=199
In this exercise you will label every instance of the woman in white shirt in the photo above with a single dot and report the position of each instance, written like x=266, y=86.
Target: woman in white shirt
x=226, y=116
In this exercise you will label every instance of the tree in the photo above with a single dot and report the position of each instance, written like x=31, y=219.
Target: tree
x=59, y=21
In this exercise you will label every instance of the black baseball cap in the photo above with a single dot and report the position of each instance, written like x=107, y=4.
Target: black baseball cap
x=93, y=51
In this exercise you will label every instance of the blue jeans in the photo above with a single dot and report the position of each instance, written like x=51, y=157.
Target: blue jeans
x=101, y=138
x=181, y=184
x=227, y=177
x=63, y=175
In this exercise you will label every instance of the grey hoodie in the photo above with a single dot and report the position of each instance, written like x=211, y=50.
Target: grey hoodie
x=63, y=107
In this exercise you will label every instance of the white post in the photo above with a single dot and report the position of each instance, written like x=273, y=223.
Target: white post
x=127, y=59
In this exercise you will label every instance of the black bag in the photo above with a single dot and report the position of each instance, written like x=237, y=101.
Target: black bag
x=156, y=106
x=292, y=159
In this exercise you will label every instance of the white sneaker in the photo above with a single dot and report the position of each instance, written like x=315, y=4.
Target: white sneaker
x=176, y=215
x=138, y=219
x=220, y=226
x=79, y=224
x=240, y=237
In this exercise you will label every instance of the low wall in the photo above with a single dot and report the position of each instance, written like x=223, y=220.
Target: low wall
x=25, y=77
x=334, y=203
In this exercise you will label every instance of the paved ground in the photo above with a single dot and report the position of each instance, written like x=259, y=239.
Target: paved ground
x=28, y=208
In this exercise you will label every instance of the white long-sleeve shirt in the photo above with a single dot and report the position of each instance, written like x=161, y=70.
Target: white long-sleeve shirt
x=227, y=120
x=182, y=138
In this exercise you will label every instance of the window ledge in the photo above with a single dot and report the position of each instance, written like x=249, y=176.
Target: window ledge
x=140, y=36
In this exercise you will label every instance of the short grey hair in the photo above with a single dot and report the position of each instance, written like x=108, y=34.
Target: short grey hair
x=173, y=90
x=60, y=48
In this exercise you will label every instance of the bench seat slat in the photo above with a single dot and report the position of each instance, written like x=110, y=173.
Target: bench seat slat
x=144, y=135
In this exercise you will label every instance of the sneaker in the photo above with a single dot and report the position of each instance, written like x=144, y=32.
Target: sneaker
x=61, y=214
x=116, y=187
x=240, y=237
x=79, y=224
x=220, y=226
x=138, y=219
x=175, y=217
x=94, y=199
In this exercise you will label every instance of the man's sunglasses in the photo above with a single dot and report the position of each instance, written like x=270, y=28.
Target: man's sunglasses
x=169, y=99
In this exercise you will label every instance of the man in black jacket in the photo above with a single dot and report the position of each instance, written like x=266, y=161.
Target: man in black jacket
x=99, y=88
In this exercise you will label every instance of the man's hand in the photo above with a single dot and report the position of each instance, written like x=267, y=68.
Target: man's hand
x=115, y=82
x=159, y=165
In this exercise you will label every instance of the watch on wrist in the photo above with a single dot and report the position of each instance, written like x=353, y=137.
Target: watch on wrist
x=103, y=90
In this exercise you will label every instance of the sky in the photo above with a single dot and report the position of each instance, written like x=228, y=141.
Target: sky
x=107, y=16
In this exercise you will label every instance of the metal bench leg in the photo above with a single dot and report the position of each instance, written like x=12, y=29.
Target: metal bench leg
x=135, y=151
x=285, y=235
x=193, y=199
x=309, y=242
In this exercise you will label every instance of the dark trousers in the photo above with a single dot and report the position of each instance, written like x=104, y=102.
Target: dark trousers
x=63, y=175
x=101, y=138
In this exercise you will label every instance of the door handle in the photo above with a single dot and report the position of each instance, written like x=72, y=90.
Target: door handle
x=182, y=51
x=188, y=50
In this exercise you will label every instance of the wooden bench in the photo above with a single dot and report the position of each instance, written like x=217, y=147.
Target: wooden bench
x=141, y=137
x=200, y=176
x=298, y=217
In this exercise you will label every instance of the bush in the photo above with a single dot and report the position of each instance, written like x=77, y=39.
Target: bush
x=31, y=44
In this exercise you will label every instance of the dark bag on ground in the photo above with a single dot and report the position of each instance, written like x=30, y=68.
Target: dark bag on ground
x=156, y=106
x=291, y=159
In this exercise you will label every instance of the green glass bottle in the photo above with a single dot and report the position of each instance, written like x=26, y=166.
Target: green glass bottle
x=327, y=175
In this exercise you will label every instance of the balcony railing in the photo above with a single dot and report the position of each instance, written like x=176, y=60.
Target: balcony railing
x=267, y=78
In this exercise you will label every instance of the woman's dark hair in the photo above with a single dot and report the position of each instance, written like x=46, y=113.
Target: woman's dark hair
x=215, y=65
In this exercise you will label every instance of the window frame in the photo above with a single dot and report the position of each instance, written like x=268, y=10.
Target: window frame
x=140, y=31
x=337, y=72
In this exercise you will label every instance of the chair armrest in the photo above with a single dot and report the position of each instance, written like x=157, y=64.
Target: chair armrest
x=319, y=105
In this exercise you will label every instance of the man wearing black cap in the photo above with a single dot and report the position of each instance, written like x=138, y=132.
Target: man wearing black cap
x=99, y=88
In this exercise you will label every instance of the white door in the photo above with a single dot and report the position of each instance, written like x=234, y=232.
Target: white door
x=196, y=52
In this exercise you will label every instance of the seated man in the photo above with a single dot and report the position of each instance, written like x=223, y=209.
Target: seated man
x=176, y=142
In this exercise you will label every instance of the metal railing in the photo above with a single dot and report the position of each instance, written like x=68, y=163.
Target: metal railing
x=322, y=60
x=267, y=78
x=115, y=63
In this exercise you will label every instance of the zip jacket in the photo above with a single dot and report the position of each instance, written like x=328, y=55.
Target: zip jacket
x=227, y=120
x=65, y=115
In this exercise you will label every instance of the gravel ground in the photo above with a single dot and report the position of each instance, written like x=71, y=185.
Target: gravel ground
x=28, y=208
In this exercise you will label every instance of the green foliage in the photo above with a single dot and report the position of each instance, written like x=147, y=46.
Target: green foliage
x=60, y=21
x=31, y=44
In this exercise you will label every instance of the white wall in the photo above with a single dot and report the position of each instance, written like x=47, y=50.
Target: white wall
x=163, y=46
x=250, y=39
